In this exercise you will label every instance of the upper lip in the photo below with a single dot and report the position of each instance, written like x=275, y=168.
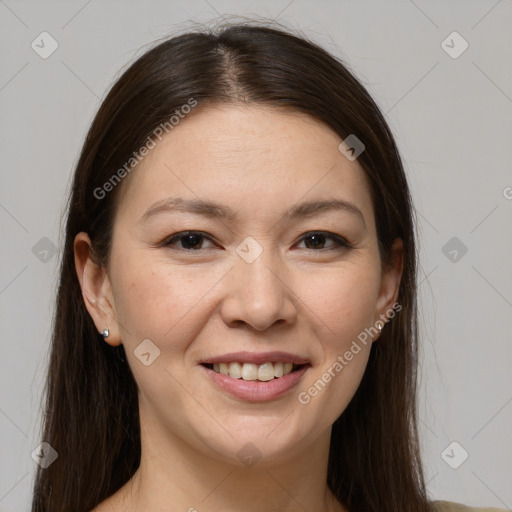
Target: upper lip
x=256, y=358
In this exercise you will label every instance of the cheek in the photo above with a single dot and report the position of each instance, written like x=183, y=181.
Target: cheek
x=344, y=300
x=344, y=305
x=160, y=302
x=144, y=299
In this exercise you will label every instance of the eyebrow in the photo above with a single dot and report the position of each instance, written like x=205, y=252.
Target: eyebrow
x=214, y=210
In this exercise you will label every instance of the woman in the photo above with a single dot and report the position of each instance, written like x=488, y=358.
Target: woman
x=240, y=233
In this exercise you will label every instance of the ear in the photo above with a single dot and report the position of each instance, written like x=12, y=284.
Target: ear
x=390, y=284
x=96, y=289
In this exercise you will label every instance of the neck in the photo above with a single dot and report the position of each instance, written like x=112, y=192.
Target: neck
x=176, y=476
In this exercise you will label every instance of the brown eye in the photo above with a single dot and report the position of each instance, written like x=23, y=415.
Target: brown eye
x=316, y=241
x=189, y=240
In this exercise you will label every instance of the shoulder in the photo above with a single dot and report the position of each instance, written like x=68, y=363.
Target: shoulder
x=448, y=506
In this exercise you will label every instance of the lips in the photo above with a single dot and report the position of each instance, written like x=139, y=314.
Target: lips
x=255, y=390
x=256, y=358
x=254, y=376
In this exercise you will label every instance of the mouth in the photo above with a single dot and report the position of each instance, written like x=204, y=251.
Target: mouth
x=256, y=377
x=255, y=372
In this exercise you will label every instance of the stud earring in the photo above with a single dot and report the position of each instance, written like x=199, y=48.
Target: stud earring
x=105, y=333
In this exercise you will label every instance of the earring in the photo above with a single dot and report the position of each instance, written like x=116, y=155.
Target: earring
x=105, y=333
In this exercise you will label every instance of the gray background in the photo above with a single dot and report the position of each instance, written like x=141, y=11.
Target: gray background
x=453, y=121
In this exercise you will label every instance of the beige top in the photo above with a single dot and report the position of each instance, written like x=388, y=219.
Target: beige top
x=448, y=506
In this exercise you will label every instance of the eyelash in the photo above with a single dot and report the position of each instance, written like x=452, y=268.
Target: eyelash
x=340, y=241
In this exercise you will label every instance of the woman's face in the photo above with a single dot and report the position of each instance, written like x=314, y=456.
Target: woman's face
x=257, y=282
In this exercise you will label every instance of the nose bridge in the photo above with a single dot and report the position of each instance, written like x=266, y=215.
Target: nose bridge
x=257, y=294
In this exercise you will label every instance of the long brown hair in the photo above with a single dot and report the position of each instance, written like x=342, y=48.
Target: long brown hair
x=91, y=408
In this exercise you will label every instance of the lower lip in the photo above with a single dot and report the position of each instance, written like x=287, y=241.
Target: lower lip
x=256, y=390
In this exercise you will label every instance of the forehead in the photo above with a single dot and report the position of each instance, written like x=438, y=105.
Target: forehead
x=243, y=156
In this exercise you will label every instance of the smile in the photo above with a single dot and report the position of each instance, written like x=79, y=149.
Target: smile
x=250, y=371
x=243, y=381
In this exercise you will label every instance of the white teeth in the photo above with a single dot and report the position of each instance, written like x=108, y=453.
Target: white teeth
x=278, y=370
x=235, y=370
x=250, y=371
x=265, y=372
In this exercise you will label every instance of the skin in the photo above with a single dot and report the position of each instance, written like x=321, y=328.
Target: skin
x=206, y=301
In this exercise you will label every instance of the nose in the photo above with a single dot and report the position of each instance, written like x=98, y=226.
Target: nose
x=258, y=295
